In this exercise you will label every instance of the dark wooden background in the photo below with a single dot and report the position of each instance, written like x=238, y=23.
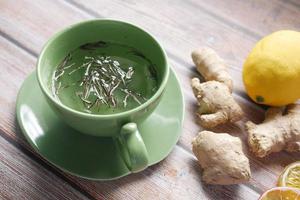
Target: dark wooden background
x=231, y=27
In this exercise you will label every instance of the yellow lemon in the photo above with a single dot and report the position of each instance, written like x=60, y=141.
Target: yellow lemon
x=281, y=193
x=290, y=176
x=271, y=72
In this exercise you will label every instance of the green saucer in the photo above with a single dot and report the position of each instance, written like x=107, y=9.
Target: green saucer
x=92, y=157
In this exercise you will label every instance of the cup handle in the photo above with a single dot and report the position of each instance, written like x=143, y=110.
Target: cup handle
x=132, y=148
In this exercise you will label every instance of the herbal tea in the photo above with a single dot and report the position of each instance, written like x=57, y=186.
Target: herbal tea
x=104, y=78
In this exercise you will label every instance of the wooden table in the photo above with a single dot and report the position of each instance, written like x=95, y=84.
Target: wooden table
x=230, y=27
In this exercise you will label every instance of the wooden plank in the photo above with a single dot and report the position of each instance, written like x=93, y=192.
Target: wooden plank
x=36, y=19
x=23, y=178
x=257, y=17
x=295, y=3
x=166, y=180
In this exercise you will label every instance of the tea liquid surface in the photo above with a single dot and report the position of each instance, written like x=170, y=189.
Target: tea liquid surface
x=104, y=78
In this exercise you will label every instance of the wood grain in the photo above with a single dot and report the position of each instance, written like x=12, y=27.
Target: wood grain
x=230, y=27
x=255, y=17
x=23, y=178
x=23, y=26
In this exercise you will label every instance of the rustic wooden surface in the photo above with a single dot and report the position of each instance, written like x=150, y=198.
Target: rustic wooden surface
x=231, y=27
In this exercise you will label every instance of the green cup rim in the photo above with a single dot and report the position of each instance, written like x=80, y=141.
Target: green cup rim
x=88, y=115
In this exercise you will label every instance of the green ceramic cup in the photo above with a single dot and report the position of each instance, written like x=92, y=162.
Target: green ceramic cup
x=122, y=126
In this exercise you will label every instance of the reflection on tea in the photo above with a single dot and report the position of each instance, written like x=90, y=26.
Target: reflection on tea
x=104, y=78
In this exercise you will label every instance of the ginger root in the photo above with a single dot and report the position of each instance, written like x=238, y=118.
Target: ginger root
x=280, y=130
x=222, y=158
x=216, y=104
x=211, y=66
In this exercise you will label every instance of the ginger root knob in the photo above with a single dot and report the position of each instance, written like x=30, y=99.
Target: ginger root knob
x=211, y=66
x=279, y=131
x=216, y=104
x=222, y=158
